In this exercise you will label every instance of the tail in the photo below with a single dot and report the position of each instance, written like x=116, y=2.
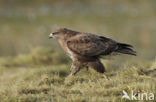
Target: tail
x=125, y=49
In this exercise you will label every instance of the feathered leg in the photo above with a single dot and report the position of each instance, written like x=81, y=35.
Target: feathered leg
x=97, y=65
x=76, y=66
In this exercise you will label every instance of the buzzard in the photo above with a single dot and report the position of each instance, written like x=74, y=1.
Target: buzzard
x=86, y=49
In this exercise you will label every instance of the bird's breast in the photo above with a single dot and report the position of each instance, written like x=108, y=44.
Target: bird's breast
x=67, y=50
x=70, y=54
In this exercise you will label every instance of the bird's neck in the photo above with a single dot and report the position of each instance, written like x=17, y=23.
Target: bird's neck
x=63, y=44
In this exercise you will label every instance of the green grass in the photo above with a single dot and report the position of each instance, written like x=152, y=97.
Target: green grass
x=52, y=83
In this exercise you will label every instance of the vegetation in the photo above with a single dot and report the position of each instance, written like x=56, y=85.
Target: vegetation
x=35, y=69
x=37, y=82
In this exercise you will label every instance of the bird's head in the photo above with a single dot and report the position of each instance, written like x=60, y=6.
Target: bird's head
x=58, y=33
x=62, y=33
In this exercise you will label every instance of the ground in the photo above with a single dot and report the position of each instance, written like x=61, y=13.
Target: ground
x=51, y=83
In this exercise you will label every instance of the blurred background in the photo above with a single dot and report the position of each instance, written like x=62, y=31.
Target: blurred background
x=26, y=24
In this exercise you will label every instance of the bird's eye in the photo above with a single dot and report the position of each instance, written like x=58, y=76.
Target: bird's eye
x=55, y=33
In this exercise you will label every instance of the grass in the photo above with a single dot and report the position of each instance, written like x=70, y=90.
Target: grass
x=51, y=83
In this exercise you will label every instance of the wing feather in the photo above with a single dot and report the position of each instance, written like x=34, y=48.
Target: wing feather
x=91, y=45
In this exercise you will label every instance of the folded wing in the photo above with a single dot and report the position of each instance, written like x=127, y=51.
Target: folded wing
x=91, y=45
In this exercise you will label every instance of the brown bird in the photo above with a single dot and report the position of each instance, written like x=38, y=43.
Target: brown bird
x=86, y=49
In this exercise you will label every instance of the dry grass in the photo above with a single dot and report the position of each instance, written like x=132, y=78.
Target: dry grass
x=52, y=83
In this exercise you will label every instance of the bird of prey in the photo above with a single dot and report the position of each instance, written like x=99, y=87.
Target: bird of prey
x=86, y=49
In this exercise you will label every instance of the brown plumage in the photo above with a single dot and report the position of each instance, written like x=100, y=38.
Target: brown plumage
x=86, y=49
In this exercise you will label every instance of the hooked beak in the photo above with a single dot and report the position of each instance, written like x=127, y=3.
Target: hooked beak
x=51, y=35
